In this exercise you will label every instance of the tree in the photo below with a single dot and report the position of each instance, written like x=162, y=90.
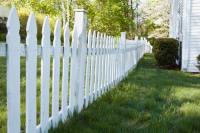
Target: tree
x=109, y=16
x=155, y=18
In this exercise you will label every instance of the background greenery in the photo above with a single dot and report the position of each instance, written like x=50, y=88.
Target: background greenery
x=108, y=16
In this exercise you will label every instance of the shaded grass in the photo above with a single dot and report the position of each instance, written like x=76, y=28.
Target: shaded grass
x=149, y=100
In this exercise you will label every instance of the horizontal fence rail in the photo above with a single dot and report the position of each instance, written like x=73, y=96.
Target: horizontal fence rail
x=89, y=51
x=91, y=65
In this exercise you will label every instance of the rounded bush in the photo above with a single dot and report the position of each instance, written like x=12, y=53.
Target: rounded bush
x=166, y=52
x=198, y=61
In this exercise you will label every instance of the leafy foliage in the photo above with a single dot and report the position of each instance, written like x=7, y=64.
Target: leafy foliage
x=198, y=60
x=166, y=52
x=3, y=29
x=109, y=16
x=155, y=18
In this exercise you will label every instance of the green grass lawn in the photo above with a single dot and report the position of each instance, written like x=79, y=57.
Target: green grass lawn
x=3, y=98
x=149, y=100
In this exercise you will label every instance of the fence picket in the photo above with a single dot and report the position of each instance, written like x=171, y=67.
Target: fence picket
x=96, y=66
x=107, y=60
x=92, y=68
x=45, y=76
x=88, y=68
x=13, y=73
x=100, y=65
x=65, y=75
x=73, y=71
x=113, y=61
x=110, y=68
x=31, y=74
x=56, y=74
x=82, y=44
x=104, y=63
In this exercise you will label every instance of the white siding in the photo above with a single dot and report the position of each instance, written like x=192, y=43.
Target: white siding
x=176, y=19
x=194, y=40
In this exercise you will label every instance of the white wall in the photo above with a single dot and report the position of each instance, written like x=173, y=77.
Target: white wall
x=185, y=26
x=194, y=36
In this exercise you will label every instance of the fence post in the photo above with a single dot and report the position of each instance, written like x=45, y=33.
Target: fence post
x=123, y=47
x=81, y=24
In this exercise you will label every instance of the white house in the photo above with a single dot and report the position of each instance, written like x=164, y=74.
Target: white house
x=185, y=26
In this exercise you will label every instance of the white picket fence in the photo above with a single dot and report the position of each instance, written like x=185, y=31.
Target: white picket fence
x=92, y=64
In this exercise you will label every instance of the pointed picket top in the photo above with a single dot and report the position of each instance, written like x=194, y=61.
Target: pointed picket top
x=98, y=40
x=94, y=39
x=136, y=38
x=106, y=46
x=31, y=27
x=113, y=42
x=89, y=45
x=13, y=23
x=101, y=45
x=110, y=46
x=66, y=36
x=46, y=31
x=57, y=29
x=104, y=41
x=109, y=41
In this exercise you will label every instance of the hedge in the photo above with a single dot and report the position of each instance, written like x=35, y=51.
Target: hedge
x=198, y=61
x=166, y=52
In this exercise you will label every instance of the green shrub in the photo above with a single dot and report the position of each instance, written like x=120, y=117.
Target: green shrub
x=166, y=52
x=3, y=29
x=23, y=16
x=152, y=40
x=198, y=61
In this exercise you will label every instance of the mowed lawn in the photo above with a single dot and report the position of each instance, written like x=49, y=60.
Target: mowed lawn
x=149, y=100
x=3, y=97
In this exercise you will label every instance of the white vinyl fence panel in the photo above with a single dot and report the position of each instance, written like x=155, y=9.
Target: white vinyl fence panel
x=90, y=67
x=31, y=75
x=65, y=73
